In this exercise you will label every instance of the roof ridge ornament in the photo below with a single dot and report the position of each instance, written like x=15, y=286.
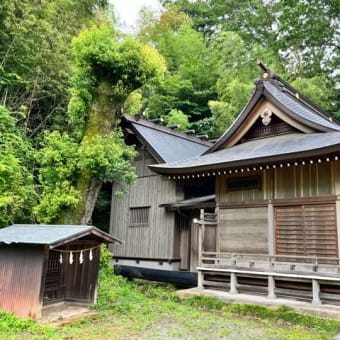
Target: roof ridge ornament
x=266, y=72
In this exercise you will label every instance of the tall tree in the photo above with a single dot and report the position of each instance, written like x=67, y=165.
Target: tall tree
x=107, y=70
x=190, y=81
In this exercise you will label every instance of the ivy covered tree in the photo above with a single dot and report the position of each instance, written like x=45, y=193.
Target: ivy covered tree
x=107, y=69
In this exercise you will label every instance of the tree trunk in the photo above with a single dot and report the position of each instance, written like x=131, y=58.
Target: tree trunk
x=90, y=200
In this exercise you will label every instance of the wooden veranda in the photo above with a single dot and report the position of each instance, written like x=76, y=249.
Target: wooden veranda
x=311, y=278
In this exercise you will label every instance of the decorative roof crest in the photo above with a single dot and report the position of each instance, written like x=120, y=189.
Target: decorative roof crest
x=266, y=116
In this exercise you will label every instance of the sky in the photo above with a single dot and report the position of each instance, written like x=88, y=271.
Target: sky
x=127, y=10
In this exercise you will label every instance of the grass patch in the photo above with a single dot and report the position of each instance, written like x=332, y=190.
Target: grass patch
x=281, y=313
x=11, y=325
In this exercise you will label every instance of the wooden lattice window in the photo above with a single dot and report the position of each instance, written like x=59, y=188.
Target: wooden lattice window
x=244, y=183
x=139, y=217
x=274, y=128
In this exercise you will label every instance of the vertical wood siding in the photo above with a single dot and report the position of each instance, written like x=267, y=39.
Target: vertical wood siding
x=312, y=180
x=336, y=172
x=21, y=270
x=81, y=278
x=150, y=190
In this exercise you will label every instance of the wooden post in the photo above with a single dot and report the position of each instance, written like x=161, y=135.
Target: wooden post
x=316, y=293
x=200, y=237
x=233, y=283
x=337, y=207
x=199, y=250
x=271, y=287
x=271, y=226
x=200, y=279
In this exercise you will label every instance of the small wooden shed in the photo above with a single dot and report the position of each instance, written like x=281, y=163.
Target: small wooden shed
x=44, y=264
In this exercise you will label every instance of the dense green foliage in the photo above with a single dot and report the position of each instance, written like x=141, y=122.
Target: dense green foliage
x=17, y=195
x=190, y=81
x=35, y=60
x=66, y=72
x=295, y=38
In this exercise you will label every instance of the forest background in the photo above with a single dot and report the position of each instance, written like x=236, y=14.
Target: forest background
x=68, y=74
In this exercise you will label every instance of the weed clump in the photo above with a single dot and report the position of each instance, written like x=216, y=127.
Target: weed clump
x=11, y=324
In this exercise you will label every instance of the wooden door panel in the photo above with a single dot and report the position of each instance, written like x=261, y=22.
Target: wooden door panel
x=306, y=230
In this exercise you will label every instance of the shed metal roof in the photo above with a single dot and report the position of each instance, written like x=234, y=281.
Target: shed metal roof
x=52, y=235
x=167, y=144
x=283, y=147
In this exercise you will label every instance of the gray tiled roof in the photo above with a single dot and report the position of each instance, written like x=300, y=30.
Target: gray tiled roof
x=258, y=151
x=170, y=147
x=298, y=108
x=46, y=234
x=168, y=144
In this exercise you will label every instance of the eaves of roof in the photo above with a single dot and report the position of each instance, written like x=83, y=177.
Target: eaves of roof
x=289, y=147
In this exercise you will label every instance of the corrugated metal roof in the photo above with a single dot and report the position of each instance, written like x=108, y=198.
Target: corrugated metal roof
x=298, y=108
x=260, y=150
x=47, y=234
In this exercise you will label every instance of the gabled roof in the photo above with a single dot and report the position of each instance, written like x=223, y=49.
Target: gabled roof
x=51, y=235
x=272, y=88
x=314, y=133
x=165, y=144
